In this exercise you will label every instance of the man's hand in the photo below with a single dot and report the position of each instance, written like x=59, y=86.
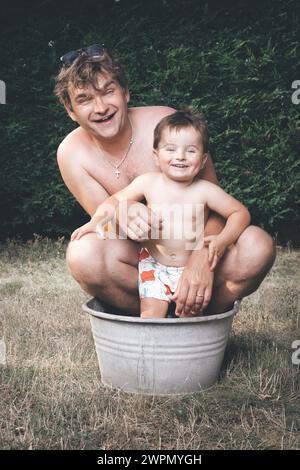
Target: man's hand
x=138, y=221
x=194, y=289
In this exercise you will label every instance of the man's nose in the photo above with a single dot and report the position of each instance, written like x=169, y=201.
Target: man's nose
x=99, y=105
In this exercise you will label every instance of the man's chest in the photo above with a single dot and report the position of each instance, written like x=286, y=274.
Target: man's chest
x=114, y=176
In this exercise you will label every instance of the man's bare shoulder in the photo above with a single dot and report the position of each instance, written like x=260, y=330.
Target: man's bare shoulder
x=73, y=146
x=151, y=114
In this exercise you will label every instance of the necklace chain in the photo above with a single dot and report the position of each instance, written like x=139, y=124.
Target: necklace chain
x=117, y=166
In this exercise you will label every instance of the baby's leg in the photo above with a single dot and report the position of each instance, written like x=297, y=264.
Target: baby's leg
x=153, y=308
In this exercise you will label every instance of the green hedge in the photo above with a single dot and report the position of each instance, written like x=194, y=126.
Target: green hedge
x=236, y=62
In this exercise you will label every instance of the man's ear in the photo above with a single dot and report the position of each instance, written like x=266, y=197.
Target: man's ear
x=70, y=112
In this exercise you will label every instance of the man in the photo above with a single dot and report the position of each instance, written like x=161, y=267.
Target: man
x=112, y=145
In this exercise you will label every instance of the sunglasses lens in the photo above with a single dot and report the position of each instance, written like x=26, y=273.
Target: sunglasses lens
x=69, y=57
x=95, y=49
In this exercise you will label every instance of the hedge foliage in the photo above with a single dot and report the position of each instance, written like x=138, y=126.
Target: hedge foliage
x=235, y=61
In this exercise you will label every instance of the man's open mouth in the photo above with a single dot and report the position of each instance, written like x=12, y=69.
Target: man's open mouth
x=105, y=118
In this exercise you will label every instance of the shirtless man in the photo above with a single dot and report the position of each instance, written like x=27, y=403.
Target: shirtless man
x=111, y=146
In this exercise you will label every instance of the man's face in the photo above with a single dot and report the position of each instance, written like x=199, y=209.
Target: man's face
x=101, y=112
x=180, y=153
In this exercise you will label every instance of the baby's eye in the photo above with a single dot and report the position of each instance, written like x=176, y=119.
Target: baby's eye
x=191, y=151
x=170, y=149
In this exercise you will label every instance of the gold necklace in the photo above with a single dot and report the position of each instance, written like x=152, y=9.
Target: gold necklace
x=116, y=167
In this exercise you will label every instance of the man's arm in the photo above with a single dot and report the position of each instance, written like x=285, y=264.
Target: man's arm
x=209, y=172
x=86, y=190
x=215, y=222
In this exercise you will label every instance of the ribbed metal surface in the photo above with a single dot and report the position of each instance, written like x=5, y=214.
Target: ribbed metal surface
x=160, y=358
x=173, y=352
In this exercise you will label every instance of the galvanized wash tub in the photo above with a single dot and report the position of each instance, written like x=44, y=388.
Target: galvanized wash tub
x=160, y=356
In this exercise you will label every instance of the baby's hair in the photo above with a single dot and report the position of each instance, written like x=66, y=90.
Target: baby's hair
x=180, y=119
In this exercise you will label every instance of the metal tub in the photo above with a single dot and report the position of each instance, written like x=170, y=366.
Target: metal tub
x=160, y=356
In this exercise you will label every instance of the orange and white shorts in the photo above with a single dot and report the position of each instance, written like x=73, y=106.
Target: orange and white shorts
x=155, y=279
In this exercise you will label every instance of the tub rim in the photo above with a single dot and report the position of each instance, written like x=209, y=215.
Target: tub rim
x=168, y=321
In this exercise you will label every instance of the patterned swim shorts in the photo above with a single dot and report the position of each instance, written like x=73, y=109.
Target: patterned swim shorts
x=155, y=279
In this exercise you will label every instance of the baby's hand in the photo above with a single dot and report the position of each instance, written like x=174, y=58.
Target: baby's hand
x=80, y=231
x=91, y=226
x=216, y=250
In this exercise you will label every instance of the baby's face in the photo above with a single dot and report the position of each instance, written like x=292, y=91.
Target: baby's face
x=180, y=154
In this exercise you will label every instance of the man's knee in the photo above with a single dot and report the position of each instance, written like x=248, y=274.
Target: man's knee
x=96, y=262
x=257, y=251
x=85, y=260
x=246, y=264
x=259, y=245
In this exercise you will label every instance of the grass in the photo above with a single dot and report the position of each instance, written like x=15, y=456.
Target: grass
x=50, y=389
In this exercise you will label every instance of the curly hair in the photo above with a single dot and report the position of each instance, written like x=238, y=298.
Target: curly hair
x=84, y=72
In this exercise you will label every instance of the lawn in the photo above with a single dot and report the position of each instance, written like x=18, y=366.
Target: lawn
x=50, y=390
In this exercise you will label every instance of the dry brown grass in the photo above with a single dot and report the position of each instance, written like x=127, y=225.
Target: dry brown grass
x=50, y=390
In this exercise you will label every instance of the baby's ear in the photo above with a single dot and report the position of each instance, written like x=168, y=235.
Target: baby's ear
x=154, y=151
x=204, y=160
x=127, y=95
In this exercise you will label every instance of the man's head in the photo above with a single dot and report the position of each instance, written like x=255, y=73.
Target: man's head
x=93, y=89
x=181, y=144
x=83, y=71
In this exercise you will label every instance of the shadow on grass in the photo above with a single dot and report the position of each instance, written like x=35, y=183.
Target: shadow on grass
x=253, y=348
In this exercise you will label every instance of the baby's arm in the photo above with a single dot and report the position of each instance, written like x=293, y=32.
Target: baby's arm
x=237, y=219
x=136, y=220
x=106, y=211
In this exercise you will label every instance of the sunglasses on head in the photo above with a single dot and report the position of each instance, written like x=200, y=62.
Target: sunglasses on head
x=91, y=51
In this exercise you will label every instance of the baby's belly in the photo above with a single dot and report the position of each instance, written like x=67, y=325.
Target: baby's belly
x=169, y=252
x=181, y=233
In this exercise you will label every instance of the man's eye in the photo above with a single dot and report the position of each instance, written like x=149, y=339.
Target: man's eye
x=84, y=100
x=110, y=91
